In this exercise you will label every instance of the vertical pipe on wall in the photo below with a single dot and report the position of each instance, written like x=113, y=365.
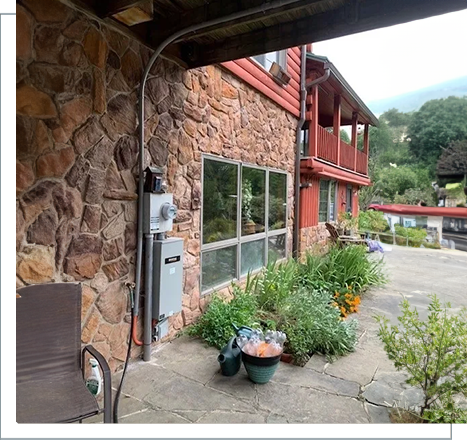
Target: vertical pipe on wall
x=190, y=29
x=147, y=338
x=296, y=227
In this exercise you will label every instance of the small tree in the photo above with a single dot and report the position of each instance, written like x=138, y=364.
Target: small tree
x=433, y=352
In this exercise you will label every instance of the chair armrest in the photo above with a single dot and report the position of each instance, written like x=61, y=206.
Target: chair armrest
x=107, y=379
x=100, y=359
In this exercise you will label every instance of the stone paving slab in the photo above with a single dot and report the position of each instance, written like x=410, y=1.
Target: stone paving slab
x=182, y=383
x=307, y=378
x=302, y=405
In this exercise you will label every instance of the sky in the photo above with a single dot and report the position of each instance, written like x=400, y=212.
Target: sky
x=399, y=59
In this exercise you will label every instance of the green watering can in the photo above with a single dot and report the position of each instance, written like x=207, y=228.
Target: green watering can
x=230, y=358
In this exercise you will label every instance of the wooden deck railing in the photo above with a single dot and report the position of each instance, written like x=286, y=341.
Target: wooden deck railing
x=327, y=145
x=327, y=150
x=362, y=162
x=347, y=156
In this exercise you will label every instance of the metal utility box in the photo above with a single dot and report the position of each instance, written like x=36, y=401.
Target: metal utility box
x=167, y=278
x=158, y=213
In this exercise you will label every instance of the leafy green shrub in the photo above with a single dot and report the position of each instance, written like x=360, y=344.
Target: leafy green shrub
x=275, y=284
x=341, y=267
x=433, y=352
x=372, y=221
x=416, y=236
x=312, y=325
x=448, y=413
x=215, y=325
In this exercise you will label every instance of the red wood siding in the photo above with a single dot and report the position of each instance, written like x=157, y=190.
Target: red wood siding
x=355, y=200
x=309, y=204
x=341, y=196
x=256, y=76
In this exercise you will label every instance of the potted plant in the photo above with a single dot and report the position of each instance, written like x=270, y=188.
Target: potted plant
x=249, y=226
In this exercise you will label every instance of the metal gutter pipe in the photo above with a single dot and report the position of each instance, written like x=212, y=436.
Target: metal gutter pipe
x=303, y=93
x=190, y=29
x=296, y=227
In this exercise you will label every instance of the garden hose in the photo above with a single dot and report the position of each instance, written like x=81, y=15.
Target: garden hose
x=128, y=354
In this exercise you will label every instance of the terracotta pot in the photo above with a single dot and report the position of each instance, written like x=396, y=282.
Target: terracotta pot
x=287, y=358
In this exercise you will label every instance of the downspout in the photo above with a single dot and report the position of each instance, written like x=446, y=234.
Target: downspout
x=190, y=29
x=303, y=94
x=296, y=227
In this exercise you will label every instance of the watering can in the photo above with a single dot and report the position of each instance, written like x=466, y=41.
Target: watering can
x=230, y=358
x=243, y=330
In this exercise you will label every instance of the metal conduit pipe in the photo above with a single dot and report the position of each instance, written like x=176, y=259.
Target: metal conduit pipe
x=191, y=29
x=296, y=226
x=303, y=94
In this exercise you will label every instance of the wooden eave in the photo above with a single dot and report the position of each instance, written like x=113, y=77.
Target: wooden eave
x=293, y=24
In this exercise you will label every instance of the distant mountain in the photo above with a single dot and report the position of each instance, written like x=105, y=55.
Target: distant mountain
x=414, y=100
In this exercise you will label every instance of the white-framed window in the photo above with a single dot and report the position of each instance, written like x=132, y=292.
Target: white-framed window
x=327, y=200
x=243, y=220
x=266, y=59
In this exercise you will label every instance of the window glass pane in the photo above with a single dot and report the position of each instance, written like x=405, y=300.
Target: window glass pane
x=219, y=266
x=323, y=200
x=219, y=201
x=253, y=200
x=277, y=200
x=276, y=247
x=261, y=59
x=348, y=206
x=332, y=198
x=252, y=256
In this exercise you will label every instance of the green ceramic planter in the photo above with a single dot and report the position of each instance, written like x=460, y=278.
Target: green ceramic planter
x=260, y=370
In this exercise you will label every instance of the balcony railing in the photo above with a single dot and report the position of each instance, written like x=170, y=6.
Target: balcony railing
x=347, y=155
x=327, y=145
x=327, y=150
x=362, y=162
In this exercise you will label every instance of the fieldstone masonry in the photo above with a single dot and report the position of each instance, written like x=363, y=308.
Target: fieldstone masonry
x=77, y=151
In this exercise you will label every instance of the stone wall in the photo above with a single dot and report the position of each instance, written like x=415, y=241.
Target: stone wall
x=313, y=238
x=77, y=152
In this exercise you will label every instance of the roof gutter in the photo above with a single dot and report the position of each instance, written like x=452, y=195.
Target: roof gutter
x=304, y=86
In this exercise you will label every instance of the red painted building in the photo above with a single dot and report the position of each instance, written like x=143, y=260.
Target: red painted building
x=332, y=171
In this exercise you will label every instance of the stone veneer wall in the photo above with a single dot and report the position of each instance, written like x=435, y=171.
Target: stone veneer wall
x=77, y=154
x=313, y=238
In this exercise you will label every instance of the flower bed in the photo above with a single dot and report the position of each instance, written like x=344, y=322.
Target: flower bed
x=307, y=300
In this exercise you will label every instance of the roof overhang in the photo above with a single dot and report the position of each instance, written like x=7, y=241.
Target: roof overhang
x=311, y=165
x=289, y=23
x=339, y=85
x=421, y=210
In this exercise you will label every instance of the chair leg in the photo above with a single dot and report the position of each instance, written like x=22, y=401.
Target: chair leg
x=107, y=401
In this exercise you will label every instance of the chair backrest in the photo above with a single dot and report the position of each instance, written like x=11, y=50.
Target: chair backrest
x=332, y=231
x=48, y=330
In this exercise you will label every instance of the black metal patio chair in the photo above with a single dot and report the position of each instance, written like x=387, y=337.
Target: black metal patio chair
x=50, y=385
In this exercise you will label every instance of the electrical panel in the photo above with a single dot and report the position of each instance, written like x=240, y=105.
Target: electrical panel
x=158, y=213
x=167, y=278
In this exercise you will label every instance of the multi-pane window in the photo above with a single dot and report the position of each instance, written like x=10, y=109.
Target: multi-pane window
x=327, y=200
x=244, y=219
x=266, y=59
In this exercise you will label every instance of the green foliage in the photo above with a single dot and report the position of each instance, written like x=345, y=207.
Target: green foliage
x=446, y=412
x=395, y=118
x=435, y=126
x=215, y=325
x=342, y=267
x=413, y=196
x=313, y=326
x=345, y=136
x=433, y=351
x=416, y=236
x=372, y=220
x=295, y=298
